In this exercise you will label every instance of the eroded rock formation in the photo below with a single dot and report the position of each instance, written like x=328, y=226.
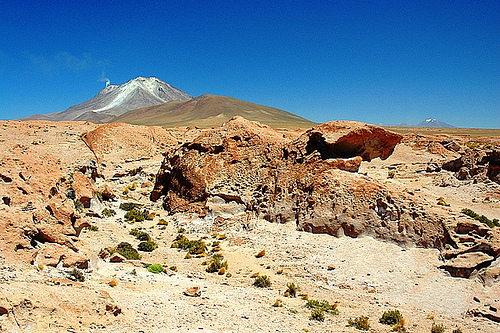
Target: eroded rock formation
x=39, y=211
x=311, y=181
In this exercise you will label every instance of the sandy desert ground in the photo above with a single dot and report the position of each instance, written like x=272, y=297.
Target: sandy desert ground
x=364, y=275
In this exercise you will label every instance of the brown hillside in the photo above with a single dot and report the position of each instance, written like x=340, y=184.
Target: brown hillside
x=211, y=111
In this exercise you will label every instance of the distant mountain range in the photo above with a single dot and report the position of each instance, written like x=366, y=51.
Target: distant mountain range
x=150, y=101
x=426, y=123
x=434, y=123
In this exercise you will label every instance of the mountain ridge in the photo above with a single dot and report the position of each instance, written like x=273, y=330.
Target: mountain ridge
x=115, y=100
x=211, y=110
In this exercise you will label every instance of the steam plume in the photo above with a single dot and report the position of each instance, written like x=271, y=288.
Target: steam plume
x=103, y=78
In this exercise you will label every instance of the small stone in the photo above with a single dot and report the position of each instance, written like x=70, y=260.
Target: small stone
x=116, y=257
x=260, y=254
x=193, y=292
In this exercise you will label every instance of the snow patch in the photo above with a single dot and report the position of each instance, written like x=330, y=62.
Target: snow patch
x=125, y=90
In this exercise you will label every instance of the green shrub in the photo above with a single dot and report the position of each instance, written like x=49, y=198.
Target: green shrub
x=437, y=328
x=360, y=323
x=262, y=281
x=292, y=289
x=457, y=330
x=193, y=246
x=216, y=263
x=481, y=218
x=137, y=215
x=79, y=205
x=127, y=206
x=323, y=305
x=162, y=222
x=140, y=235
x=155, y=268
x=148, y=246
x=93, y=228
x=143, y=236
x=126, y=250
x=391, y=317
x=77, y=275
x=108, y=212
x=317, y=314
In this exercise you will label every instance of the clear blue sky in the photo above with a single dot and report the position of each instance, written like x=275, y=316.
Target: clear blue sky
x=372, y=61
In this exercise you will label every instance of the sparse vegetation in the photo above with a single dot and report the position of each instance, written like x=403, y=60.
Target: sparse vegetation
x=262, y=281
x=108, y=212
x=130, y=187
x=292, y=290
x=136, y=215
x=400, y=326
x=476, y=144
x=391, y=317
x=442, y=202
x=437, y=328
x=140, y=235
x=481, y=218
x=361, y=323
x=162, y=222
x=127, y=206
x=77, y=275
x=193, y=246
x=147, y=246
x=93, y=228
x=323, y=305
x=126, y=250
x=134, y=232
x=79, y=205
x=155, y=268
x=457, y=330
x=216, y=264
x=317, y=314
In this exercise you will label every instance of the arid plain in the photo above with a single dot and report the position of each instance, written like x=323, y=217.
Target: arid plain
x=359, y=216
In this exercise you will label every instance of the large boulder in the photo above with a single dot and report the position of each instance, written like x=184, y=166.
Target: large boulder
x=311, y=180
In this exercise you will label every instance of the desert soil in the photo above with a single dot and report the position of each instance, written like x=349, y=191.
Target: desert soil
x=365, y=276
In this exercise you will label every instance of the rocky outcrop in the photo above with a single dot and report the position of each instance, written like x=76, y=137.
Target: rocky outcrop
x=478, y=246
x=468, y=159
x=477, y=165
x=311, y=181
x=117, y=142
x=348, y=139
x=38, y=212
